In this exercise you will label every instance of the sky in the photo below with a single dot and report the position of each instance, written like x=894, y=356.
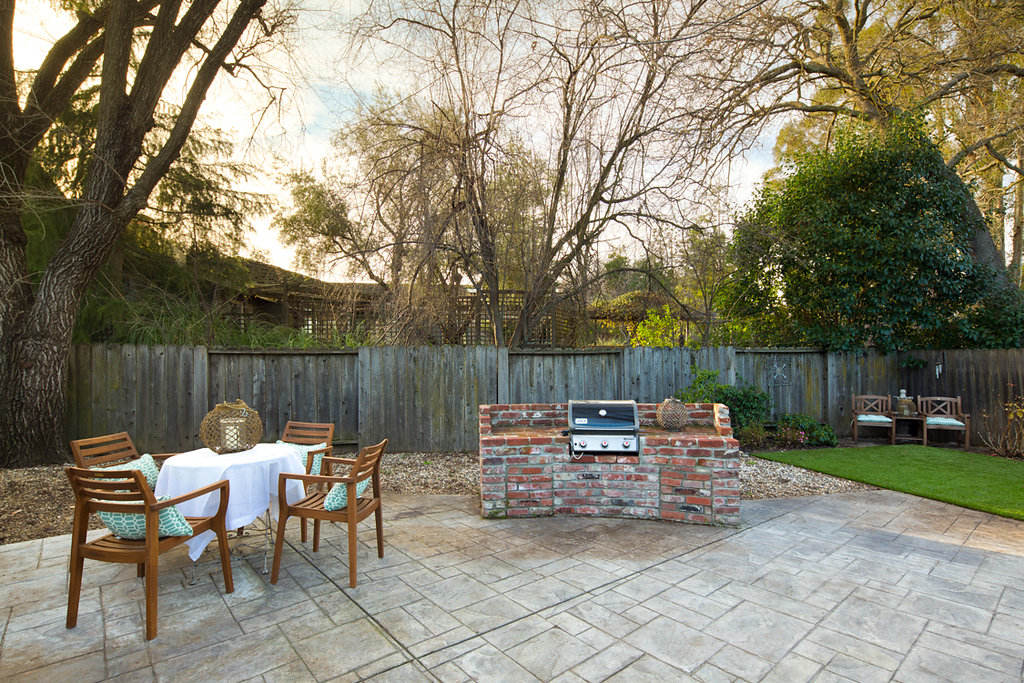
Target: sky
x=315, y=90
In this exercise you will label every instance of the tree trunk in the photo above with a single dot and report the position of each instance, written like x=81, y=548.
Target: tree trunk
x=33, y=412
x=1018, y=222
x=982, y=244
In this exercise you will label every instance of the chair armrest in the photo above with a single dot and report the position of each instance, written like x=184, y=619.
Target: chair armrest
x=310, y=454
x=319, y=478
x=310, y=478
x=222, y=484
x=346, y=461
x=160, y=457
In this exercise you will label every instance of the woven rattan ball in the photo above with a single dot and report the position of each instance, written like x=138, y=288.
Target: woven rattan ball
x=671, y=415
x=231, y=427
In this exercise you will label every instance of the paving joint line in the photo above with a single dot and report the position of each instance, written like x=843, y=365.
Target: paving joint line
x=730, y=533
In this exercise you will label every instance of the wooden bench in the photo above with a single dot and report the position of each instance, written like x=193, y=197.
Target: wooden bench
x=944, y=413
x=873, y=411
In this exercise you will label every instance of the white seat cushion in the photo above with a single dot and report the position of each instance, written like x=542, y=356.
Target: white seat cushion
x=877, y=419
x=943, y=422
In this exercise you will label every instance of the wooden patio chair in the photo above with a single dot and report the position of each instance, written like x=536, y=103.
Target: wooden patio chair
x=126, y=491
x=871, y=410
x=365, y=465
x=103, y=451
x=944, y=413
x=310, y=434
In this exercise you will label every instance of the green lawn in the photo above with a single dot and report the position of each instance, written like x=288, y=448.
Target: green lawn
x=979, y=482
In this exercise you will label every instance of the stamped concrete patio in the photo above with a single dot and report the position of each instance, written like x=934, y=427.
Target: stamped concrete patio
x=871, y=586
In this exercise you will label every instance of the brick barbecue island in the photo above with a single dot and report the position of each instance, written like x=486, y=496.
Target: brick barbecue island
x=689, y=476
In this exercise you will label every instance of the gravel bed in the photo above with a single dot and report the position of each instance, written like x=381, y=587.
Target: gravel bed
x=769, y=479
x=36, y=502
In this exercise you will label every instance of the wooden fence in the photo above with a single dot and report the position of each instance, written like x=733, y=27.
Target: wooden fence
x=426, y=398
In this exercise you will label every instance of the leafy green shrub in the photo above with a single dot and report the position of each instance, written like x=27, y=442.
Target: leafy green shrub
x=754, y=437
x=659, y=328
x=748, y=405
x=815, y=433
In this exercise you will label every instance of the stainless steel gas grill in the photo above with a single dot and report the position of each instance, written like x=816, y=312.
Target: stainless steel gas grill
x=604, y=427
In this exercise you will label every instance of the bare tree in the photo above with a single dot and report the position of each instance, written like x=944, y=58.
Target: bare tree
x=135, y=49
x=597, y=98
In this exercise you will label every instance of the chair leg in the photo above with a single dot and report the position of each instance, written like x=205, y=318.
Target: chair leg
x=379, y=518
x=924, y=433
x=152, y=572
x=225, y=560
x=352, y=548
x=74, y=588
x=303, y=522
x=140, y=569
x=316, y=533
x=278, y=546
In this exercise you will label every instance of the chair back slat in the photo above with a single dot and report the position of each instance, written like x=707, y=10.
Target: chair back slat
x=940, y=406
x=369, y=459
x=308, y=433
x=110, y=490
x=872, y=405
x=103, y=450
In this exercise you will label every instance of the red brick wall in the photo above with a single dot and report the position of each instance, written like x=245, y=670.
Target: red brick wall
x=526, y=470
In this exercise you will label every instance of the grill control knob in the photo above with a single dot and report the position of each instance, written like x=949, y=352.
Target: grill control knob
x=625, y=443
x=583, y=443
x=604, y=444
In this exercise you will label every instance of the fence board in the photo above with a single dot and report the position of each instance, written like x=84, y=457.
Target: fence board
x=426, y=398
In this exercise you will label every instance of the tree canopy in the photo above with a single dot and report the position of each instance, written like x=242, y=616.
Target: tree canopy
x=863, y=244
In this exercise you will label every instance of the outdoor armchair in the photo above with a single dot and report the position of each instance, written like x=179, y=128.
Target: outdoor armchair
x=354, y=505
x=870, y=410
x=125, y=494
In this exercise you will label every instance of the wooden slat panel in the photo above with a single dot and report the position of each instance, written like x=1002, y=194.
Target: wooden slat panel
x=426, y=398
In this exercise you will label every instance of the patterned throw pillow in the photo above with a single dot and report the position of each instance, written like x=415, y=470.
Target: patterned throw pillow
x=145, y=463
x=337, y=497
x=304, y=453
x=132, y=525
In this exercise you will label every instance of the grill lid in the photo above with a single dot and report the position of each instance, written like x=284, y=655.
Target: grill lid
x=603, y=416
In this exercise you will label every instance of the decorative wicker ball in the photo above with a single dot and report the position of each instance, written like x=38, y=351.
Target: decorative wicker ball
x=231, y=427
x=671, y=414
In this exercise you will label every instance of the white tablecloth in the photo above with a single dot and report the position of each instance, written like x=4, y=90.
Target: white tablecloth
x=253, y=475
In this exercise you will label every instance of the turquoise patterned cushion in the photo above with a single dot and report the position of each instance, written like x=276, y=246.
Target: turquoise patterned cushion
x=303, y=452
x=882, y=419
x=944, y=422
x=144, y=462
x=337, y=497
x=132, y=525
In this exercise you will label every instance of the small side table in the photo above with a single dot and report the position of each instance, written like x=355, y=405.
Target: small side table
x=911, y=433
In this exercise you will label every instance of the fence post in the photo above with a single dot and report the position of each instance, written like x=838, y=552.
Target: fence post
x=200, y=391
x=501, y=367
x=834, y=392
x=363, y=404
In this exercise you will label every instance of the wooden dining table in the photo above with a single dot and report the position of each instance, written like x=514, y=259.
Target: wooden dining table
x=253, y=476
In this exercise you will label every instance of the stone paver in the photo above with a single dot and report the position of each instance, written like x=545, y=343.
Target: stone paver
x=867, y=586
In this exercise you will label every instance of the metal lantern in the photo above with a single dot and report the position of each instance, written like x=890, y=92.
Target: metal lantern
x=231, y=427
x=671, y=415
